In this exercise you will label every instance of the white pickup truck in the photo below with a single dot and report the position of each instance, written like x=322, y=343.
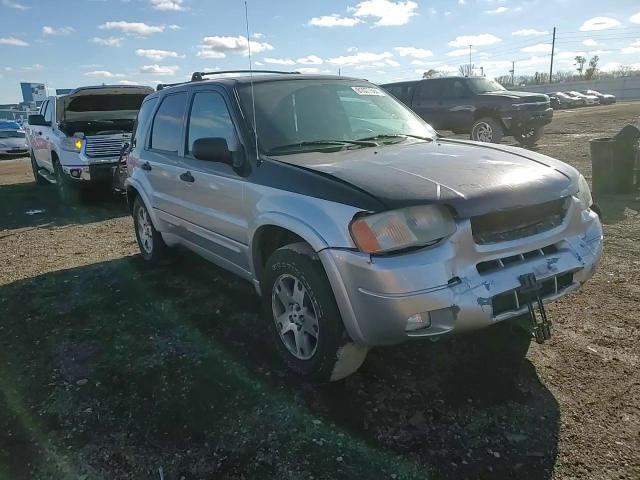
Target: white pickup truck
x=75, y=140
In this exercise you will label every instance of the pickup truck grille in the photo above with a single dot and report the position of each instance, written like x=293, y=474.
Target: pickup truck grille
x=105, y=145
x=518, y=222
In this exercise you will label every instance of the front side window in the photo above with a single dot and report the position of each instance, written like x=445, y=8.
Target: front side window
x=210, y=118
x=292, y=113
x=454, y=89
x=167, y=124
x=484, y=85
x=48, y=114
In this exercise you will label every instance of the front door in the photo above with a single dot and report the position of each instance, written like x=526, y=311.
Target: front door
x=212, y=191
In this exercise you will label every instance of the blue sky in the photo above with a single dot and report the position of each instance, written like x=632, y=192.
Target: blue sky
x=68, y=43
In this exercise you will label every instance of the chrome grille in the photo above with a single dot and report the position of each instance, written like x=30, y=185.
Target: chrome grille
x=105, y=145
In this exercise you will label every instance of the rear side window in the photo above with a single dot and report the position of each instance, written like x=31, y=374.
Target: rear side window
x=429, y=89
x=142, y=120
x=167, y=124
x=210, y=118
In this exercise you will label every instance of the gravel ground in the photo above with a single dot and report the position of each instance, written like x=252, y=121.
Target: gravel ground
x=110, y=368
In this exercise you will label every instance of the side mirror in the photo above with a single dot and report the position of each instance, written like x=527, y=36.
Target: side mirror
x=37, y=120
x=212, y=149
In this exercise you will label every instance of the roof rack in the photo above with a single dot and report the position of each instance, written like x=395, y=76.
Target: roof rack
x=199, y=76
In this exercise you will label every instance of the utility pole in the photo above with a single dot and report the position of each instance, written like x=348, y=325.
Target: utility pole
x=470, y=68
x=553, y=49
x=482, y=71
x=339, y=71
x=512, y=72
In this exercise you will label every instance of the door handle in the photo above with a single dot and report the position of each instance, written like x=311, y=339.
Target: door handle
x=145, y=166
x=39, y=133
x=187, y=177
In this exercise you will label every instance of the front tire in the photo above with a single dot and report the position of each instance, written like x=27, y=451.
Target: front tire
x=303, y=317
x=528, y=138
x=487, y=129
x=67, y=191
x=40, y=180
x=150, y=242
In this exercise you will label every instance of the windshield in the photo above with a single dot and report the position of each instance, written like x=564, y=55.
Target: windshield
x=11, y=134
x=484, y=85
x=299, y=115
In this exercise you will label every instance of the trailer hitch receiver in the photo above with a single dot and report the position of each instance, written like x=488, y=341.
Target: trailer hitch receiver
x=530, y=289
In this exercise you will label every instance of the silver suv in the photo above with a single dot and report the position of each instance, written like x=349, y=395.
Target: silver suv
x=355, y=221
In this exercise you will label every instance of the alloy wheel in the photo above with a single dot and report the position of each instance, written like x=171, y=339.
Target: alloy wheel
x=483, y=132
x=295, y=317
x=145, y=232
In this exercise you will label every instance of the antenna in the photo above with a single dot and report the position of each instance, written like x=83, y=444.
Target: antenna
x=253, y=98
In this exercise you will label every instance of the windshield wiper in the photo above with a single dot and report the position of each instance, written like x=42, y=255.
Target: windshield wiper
x=396, y=135
x=330, y=143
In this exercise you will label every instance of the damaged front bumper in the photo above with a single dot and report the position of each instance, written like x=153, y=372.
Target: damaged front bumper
x=459, y=285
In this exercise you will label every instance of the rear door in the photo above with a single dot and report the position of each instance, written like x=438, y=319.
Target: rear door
x=426, y=101
x=455, y=105
x=162, y=162
x=212, y=191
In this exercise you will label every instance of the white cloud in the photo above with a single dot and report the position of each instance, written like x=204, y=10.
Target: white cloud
x=310, y=60
x=14, y=4
x=218, y=47
x=610, y=66
x=569, y=55
x=258, y=35
x=334, y=20
x=360, y=58
x=590, y=42
x=279, y=61
x=537, y=48
x=158, y=55
x=159, y=69
x=460, y=52
x=175, y=5
x=599, y=23
x=47, y=30
x=476, y=40
x=635, y=18
x=133, y=28
x=462, y=2
x=128, y=82
x=422, y=62
x=13, y=41
x=413, y=52
x=497, y=10
x=386, y=12
x=109, y=41
x=632, y=48
x=102, y=74
x=599, y=52
x=532, y=62
x=36, y=67
x=173, y=26
x=529, y=32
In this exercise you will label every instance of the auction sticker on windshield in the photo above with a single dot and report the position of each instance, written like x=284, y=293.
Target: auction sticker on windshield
x=368, y=91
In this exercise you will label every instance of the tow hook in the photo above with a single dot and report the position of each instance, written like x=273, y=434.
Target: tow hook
x=540, y=324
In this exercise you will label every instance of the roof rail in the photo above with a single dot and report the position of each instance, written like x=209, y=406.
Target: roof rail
x=199, y=76
x=160, y=86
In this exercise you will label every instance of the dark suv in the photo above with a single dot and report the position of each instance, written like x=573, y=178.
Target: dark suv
x=478, y=106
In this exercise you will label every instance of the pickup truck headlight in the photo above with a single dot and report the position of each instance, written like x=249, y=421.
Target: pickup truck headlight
x=400, y=229
x=584, y=193
x=72, y=144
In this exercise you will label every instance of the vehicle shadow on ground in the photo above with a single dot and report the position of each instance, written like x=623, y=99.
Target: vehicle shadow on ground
x=117, y=368
x=26, y=205
x=613, y=207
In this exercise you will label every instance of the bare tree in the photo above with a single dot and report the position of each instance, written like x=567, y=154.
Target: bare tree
x=593, y=68
x=466, y=70
x=580, y=61
x=430, y=73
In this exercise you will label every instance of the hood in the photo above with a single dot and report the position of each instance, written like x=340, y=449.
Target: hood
x=101, y=102
x=526, y=96
x=471, y=178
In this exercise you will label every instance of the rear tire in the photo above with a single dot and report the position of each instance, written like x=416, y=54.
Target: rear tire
x=487, y=129
x=302, y=315
x=150, y=242
x=67, y=191
x=40, y=180
x=528, y=138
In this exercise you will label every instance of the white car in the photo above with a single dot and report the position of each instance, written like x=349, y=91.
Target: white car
x=589, y=99
x=75, y=140
x=12, y=139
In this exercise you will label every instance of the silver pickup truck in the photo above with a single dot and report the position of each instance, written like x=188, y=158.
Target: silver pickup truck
x=75, y=140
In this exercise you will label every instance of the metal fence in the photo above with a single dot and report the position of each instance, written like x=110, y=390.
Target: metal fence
x=624, y=88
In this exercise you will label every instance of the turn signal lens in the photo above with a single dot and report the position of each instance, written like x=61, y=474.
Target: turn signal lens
x=400, y=229
x=78, y=144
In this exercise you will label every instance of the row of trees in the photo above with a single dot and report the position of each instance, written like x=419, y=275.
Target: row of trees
x=584, y=70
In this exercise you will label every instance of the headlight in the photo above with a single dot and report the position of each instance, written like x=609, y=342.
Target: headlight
x=584, y=193
x=72, y=144
x=400, y=229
